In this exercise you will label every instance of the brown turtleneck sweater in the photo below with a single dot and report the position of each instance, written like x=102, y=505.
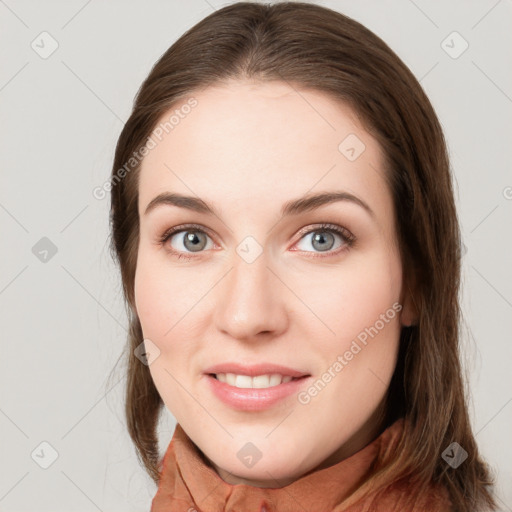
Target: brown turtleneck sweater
x=189, y=483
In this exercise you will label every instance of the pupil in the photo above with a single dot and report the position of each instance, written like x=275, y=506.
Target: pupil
x=319, y=237
x=194, y=239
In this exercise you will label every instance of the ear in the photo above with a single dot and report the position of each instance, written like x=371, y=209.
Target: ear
x=410, y=314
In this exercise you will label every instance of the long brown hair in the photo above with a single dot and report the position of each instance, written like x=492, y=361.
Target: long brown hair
x=314, y=47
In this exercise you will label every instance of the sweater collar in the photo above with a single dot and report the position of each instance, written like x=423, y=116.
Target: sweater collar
x=189, y=483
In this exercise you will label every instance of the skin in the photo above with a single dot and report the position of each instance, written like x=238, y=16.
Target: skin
x=247, y=148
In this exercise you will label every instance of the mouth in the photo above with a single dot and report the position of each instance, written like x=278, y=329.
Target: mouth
x=263, y=381
x=254, y=388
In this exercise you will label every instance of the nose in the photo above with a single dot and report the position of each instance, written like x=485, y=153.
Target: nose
x=251, y=301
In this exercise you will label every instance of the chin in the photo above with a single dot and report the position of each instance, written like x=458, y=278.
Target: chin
x=252, y=467
x=268, y=475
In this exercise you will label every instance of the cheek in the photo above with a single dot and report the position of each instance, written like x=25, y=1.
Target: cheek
x=152, y=308
x=160, y=306
x=360, y=305
x=160, y=297
x=355, y=298
x=166, y=300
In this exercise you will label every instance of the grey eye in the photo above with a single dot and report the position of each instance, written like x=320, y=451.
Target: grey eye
x=193, y=241
x=322, y=240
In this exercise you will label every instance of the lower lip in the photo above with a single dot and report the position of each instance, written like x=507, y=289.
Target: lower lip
x=254, y=399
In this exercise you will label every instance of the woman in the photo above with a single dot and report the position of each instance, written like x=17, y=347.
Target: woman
x=301, y=377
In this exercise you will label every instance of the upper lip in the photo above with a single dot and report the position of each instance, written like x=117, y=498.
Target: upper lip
x=253, y=370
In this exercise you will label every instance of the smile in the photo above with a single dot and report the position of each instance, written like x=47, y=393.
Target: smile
x=245, y=395
x=259, y=381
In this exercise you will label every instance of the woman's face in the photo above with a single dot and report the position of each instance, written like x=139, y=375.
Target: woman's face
x=260, y=282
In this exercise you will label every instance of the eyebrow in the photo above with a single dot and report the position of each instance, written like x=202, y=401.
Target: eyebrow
x=293, y=207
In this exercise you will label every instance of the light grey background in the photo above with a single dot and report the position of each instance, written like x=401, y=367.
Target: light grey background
x=63, y=321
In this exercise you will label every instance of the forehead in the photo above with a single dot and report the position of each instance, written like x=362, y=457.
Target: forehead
x=253, y=140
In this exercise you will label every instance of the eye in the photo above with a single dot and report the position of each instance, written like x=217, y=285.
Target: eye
x=191, y=238
x=194, y=239
x=323, y=238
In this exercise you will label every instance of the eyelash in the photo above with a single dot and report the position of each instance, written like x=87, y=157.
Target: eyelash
x=348, y=238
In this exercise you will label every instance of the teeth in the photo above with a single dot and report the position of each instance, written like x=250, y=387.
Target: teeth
x=243, y=381
x=275, y=379
x=260, y=381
